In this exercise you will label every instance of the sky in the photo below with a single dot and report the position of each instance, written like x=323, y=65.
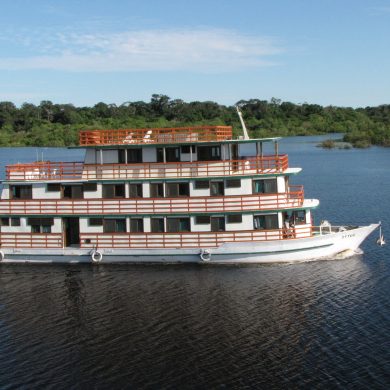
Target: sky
x=328, y=52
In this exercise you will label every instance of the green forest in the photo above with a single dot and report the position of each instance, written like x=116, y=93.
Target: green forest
x=49, y=124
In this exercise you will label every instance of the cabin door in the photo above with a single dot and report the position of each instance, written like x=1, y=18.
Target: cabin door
x=71, y=229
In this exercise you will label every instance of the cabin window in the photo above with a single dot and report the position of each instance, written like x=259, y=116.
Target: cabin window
x=175, y=225
x=202, y=220
x=89, y=187
x=136, y=190
x=217, y=188
x=21, y=192
x=177, y=189
x=4, y=221
x=136, y=225
x=114, y=225
x=121, y=156
x=156, y=190
x=265, y=222
x=209, y=153
x=234, y=218
x=264, y=186
x=40, y=225
x=53, y=187
x=233, y=183
x=157, y=225
x=134, y=156
x=113, y=191
x=202, y=185
x=188, y=149
x=171, y=154
x=298, y=217
x=72, y=192
x=15, y=221
x=95, y=221
x=217, y=224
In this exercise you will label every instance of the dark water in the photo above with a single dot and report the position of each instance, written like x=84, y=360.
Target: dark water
x=312, y=325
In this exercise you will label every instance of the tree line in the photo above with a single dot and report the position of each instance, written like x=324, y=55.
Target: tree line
x=49, y=124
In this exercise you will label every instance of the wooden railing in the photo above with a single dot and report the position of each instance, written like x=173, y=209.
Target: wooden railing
x=186, y=240
x=46, y=171
x=125, y=206
x=158, y=135
x=31, y=240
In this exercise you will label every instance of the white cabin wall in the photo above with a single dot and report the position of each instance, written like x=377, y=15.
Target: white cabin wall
x=39, y=191
x=5, y=192
x=199, y=227
x=146, y=189
x=246, y=188
x=198, y=192
x=94, y=194
x=85, y=228
x=23, y=228
x=281, y=183
x=246, y=224
x=147, y=225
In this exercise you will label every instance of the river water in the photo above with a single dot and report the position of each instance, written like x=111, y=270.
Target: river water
x=311, y=325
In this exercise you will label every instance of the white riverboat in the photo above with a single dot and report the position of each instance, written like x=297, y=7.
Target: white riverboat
x=188, y=194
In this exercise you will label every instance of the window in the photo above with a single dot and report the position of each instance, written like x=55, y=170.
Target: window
x=114, y=225
x=72, y=191
x=21, y=192
x=209, y=153
x=202, y=184
x=53, y=187
x=264, y=186
x=136, y=190
x=136, y=225
x=157, y=225
x=267, y=222
x=217, y=188
x=95, y=221
x=89, y=187
x=156, y=190
x=299, y=217
x=188, y=149
x=15, y=221
x=113, y=191
x=171, y=154
x=177, y=189
x=234, y=218
x=134, y=156
x=233, y=183
x=4, y=221
x=121, y=156
x=217, y=224
x=40, y=225
x=202, y=220
x=175, y=225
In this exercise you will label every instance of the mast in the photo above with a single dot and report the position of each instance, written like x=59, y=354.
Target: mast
x=244, y=130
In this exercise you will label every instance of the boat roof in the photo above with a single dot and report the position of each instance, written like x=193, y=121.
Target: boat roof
x=163, y=136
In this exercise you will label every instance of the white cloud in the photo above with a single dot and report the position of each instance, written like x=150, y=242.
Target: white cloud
x=162, y=50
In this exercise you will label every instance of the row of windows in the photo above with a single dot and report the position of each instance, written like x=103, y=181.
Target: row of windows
x=172, y=189
x=167, y=154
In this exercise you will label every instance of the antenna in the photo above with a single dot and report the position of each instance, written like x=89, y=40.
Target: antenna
x=244, y=130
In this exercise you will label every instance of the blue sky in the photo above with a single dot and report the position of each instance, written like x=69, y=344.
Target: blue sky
x=82, y=52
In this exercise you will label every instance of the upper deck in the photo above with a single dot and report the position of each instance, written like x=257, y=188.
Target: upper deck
x=169, y=135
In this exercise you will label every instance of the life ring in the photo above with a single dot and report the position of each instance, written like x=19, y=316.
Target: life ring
x=96, y=256
x=1, y=256
x=205, y=254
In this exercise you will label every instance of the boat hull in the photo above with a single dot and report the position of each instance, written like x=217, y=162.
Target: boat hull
x=326, y=246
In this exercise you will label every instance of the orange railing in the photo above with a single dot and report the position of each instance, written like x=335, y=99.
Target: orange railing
x=44, y=171
x=31, y=240
x=186, y=240
x=211, y=204
x=158, y=135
